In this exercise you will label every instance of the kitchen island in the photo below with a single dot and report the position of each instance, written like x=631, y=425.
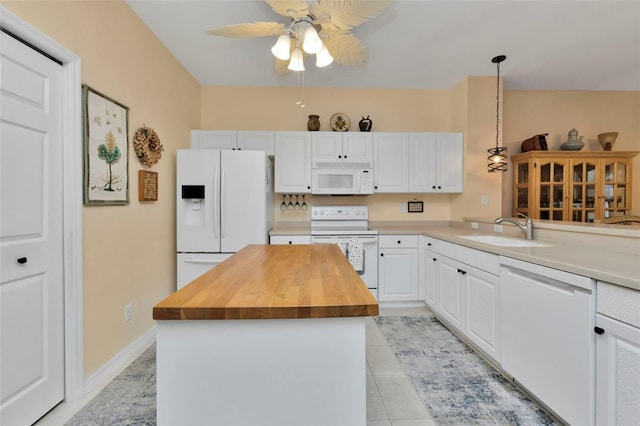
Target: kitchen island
x=275, y=335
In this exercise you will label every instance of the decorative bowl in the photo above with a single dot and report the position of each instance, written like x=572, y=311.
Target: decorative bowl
x=607, y=140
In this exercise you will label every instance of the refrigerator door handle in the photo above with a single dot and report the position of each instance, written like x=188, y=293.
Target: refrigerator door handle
x=216, y=209
x=222, y=204
x=202, y=261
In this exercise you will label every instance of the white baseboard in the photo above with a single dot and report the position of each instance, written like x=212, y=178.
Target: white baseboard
x=412, y=304
x=105, y=374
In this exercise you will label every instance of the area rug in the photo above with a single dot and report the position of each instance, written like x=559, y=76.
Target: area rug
x=457, y=386
x=129, y=399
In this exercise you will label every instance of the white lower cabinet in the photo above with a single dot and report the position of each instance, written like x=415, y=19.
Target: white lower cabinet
x=398, y=268
x=290, y=239
x=461, y=286
x=617, y=356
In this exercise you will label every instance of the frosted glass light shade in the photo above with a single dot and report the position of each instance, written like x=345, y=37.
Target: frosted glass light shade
x=323, y=57
x=297, y=60
x=312, y=43
x=281, y=49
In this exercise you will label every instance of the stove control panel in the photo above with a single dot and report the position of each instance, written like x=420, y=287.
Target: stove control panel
x=339, y=213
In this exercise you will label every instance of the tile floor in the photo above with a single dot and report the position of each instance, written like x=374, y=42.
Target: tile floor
x=391, y=399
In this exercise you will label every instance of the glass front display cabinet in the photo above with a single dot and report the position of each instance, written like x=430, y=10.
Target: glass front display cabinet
x=572, y=186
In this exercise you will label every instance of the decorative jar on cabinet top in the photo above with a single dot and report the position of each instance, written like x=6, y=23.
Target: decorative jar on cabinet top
x=313, y=125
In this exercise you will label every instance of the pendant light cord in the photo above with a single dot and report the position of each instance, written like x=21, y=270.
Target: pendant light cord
x=497, y=104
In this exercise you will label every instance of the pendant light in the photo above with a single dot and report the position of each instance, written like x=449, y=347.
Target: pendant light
x=497, y=157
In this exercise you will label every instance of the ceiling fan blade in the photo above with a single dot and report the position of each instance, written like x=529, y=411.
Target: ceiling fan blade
x=248, y=30
x=346, y=48
x=295, y=9
x=346, y=14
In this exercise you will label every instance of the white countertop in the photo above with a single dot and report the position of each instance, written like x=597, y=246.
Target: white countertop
x=620, y=266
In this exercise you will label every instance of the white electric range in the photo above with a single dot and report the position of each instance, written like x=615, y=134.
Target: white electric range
x=331, y=224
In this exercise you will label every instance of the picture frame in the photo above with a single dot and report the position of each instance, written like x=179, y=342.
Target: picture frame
x=415, y=207
x=147, y=185
x=106, y=149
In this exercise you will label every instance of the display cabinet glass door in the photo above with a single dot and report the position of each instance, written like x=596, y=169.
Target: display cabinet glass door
x=583, y=191
x=616, y=188
x=551, y=195
x=522, y=189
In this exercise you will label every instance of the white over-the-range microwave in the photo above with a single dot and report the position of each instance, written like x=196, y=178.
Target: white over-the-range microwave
x=342, y=181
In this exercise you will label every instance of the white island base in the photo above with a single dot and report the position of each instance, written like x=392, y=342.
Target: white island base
x=308, y=371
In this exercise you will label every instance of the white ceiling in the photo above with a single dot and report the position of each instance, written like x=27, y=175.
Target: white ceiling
x=422, y=44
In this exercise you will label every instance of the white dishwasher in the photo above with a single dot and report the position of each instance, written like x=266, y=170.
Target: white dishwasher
x=548, y=342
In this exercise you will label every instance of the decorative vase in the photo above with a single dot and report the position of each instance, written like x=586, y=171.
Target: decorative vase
x=607, y=140
x=313, y=125
x=574, y=143
x=365, y=124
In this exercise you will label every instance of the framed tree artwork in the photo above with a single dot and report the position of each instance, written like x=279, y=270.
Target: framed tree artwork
x=106, y=149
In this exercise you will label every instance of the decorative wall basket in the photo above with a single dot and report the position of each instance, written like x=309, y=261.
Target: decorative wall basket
x=147, y=146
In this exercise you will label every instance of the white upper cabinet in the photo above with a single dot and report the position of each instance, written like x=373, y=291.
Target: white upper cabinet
x=257, y=141
x=390, y=162
x=435, y=162
x=341, y=149
x=214, y=139
x=232, y=139
x=293, y=162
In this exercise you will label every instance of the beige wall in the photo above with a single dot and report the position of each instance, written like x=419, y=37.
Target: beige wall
x=129, y=251
x=528, y=113
x=256, y=108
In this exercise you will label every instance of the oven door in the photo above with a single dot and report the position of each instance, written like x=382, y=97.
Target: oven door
x=369, y=273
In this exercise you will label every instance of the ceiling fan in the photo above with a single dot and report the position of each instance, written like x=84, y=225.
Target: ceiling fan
x=320, y=27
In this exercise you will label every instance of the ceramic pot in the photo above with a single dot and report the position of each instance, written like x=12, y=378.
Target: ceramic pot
x=607, y=140
x=573, y=143
x=365, y=124
x=313, y=125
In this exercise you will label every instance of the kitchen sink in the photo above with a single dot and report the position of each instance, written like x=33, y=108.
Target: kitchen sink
x=503, y=241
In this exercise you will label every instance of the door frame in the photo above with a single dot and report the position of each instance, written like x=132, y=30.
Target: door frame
x=72, y=193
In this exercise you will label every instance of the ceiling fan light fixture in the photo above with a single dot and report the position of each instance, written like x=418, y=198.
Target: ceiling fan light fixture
x=323, y=57
x=297, y=60
x=281, y=49
x=312, y=43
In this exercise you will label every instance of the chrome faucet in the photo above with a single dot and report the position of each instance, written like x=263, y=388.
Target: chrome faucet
x=526, y=228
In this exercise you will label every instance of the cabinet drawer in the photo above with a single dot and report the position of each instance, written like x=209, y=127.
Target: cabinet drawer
x=620, y=303
x=482, y=260
x=398, y=241
x=290, y=239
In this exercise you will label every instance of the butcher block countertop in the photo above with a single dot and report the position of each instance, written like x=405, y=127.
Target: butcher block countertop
x=273, y=282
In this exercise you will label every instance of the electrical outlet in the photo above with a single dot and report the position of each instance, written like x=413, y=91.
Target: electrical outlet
x=474, y=225
x=485, y=200
x=497, y=228
x=128, y=312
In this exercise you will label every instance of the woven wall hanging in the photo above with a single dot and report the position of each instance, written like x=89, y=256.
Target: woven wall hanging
x=147, y=146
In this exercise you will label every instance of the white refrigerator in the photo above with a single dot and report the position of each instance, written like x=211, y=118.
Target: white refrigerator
x=224, y=202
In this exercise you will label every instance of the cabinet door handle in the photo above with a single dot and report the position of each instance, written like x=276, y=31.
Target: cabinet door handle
x=381, y=254
x=429, y=244
x=22, y=260
x=399, y=242
x=308, y=187
x=598, y=330
x=434, y=259
x=439, y=187
x=345, y=157
x=375, y=187
x=433, y=187
x=290, y=242
x=339, y=156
